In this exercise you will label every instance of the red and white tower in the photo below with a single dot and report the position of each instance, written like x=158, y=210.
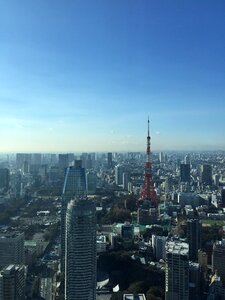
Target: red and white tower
x=148, y=191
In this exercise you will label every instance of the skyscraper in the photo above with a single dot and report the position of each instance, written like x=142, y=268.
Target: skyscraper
x=185, y=172
x=109, y=160
x=194, y=238
x=206, y=174
x=63, y=161
x=11, y=248
x=119, y=174
x=218, y=259
x=74, y=186
x=80, y=251
x=4, y=179
x=177, y=271
x=12, y=283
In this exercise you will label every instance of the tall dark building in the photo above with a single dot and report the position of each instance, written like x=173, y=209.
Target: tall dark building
x=194, y=238
x=218, y=259
x=206, y=174
x=80, y=251
x=12, y=283
x=4, y=179
x=223, y=197
x=109, y=160
x=185, y=172
x=11, y=248
x=74, y=186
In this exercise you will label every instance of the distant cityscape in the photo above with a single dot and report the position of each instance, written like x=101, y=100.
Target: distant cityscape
x=135, y=225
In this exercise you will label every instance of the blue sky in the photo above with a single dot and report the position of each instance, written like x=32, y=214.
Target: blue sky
x=83, y=75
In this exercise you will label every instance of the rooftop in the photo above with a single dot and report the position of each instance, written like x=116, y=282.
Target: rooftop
x=134, y=297
x=177, y=247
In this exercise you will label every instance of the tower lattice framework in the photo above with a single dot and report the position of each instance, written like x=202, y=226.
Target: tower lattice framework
x=148, y=191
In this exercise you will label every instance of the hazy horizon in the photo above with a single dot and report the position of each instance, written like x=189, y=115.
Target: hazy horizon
x=85, y=75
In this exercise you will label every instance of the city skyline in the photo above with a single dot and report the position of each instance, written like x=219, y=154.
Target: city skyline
x=84, y=75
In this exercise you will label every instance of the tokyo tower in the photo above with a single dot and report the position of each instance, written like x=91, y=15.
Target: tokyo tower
x=148, y=191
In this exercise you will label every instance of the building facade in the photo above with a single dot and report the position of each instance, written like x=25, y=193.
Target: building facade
x=80, y=251
x=12, y=283
x=74, y=186
x=177, y=271
x=11, y=248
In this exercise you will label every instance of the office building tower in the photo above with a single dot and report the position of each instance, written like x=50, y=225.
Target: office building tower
x=12, y=283
x=91, y=183
x=37, y=158
x=194, y=234
x=74, y=186
x=126, y=179
x=70, y=158
x=194, y=281
x=21, y=158
x=80, y=254
x=161, y=157
x=185, y=172
x=159, y=246
x=109, y=160
x=26, y=167
x=11, y=248
x=168, y=184
x=119, y=174
x=206, y=174
x=63, y=161
x=216, y=179
x=4, y=179
x=177, y=271
x=218, y=259
x=127, y=234
x=223, y=197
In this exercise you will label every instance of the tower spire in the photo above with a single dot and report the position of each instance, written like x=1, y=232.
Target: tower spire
x=148, y=191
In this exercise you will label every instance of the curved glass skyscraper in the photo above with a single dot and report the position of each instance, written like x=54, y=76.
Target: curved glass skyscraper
x=80, y=250
x=74, y=186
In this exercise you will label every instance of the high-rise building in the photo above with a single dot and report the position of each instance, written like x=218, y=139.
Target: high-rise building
x=177, y=271
x=194, y=281
x=91, y=183
x=223, y=197
x=159, y=246
x=74, y=186
x=109, y=160
x=194, y=237
x=161, y=157
x=11, y=248
x=185, y=172
x=63, y=161
x=119, y=174
x=12, y=283
x=36, y=158
x=126, y=179
x=4, y=179
x=21, y=158
x=206, y=174
x=218, y=259
x=80, y=252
